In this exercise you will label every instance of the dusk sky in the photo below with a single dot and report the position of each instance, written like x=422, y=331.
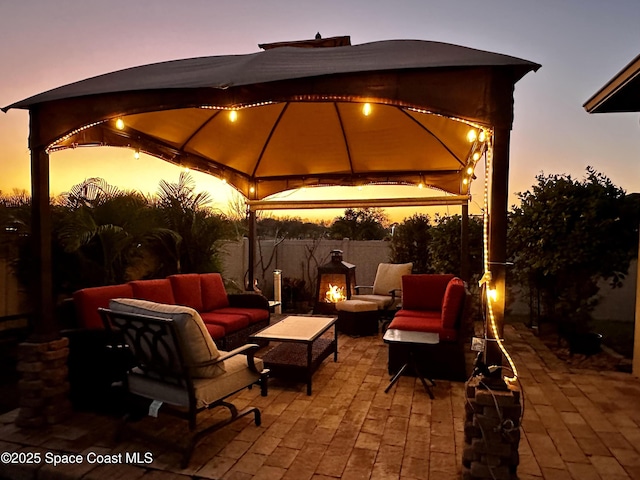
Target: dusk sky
x=580, y=44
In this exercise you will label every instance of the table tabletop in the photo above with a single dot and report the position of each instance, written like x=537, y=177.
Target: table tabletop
x=297, y=328
x=393, y=335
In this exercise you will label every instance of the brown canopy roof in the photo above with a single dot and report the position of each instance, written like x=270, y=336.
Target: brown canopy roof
x=299, y=113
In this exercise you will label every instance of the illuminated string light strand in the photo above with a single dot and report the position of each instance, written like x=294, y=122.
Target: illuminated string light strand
x=486, y=277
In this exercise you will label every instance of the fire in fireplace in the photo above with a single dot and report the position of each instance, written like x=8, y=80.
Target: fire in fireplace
x=336, y=282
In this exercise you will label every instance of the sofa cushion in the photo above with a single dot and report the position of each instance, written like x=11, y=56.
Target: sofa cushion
x=424, y=322
x=230, y=322
x=216, y=331
x=454, y=298
x=88, y=300
x=255, y=314
x=157, y=290
x=207, y=390
x=382, y=301
x=197, y=344
x=424, y=291
x=214, y=295
x=389, y=277
x=186, y=290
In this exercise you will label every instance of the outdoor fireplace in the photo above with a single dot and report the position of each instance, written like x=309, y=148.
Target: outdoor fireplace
x=336, y=282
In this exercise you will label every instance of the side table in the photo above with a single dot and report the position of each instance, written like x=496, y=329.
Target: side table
x=413, y=341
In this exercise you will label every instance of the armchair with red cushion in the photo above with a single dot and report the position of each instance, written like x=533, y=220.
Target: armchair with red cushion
x=435, y=303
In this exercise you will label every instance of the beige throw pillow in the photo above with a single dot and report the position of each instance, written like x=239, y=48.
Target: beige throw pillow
x=197, y=344
x=389, y=277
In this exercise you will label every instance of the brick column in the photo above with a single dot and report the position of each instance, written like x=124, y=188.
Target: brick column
x=491, y=433
x=44, y=385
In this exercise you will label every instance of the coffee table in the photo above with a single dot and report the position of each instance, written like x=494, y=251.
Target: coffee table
x=413, y=341
x=302, y=346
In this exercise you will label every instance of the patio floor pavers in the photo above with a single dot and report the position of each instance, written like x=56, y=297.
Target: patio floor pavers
x=578, y=425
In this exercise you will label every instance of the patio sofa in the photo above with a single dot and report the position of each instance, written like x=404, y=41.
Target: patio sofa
x=96, y=360
x=437, y=303
x=229, y=318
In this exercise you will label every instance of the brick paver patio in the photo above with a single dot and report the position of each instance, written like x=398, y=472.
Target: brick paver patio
x=578, y=424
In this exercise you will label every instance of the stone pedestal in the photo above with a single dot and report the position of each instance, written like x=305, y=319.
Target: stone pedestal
x=44, y=385
x=491, y=432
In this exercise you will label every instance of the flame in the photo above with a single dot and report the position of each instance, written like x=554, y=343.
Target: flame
x=335, y=294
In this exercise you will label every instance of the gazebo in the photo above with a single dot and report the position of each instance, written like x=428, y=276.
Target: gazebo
x=406, y=112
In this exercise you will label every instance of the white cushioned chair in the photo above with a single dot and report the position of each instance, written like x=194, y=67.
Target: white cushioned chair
x=387, y=286
x=179, y=365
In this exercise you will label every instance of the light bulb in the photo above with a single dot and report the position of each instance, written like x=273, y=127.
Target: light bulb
x=120, y=124
x=471, y=136
x=476, y=156
x=465, y=181
x=366, y=109
x=492, y=293
x=481, y=136
x=233, y=115
x=136, y=154
x=252, y=189
x=469, y=170
x=421, y=185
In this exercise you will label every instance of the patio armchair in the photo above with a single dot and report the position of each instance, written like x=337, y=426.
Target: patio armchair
x=177, y=365
x=437, y=303
x=387, y=287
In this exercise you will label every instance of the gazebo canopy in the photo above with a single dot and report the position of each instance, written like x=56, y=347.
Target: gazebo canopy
x=401, y=112
x=397, y=112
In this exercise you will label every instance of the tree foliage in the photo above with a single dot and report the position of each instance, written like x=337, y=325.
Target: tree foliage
x=446, y=245
x=565, y=235
x=410, y=243
x=103, y=235
x=435, y=246
x=360, y=224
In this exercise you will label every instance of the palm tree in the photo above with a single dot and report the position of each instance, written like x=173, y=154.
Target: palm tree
x=114, y=234
x=186, y=212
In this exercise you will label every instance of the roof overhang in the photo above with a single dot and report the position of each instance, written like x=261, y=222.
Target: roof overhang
x=620, y=94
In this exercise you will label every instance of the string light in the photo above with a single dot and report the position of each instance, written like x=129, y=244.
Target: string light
x=470, y=170
x=120, y=124
x=476, y=156
x=486, y=280
x=472, y=136
x=366, y=109
x=53, y=146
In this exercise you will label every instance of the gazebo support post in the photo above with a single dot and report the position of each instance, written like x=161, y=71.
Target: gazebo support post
x=498, y=239
x=465, y=267
x=44, y=328
x=252, y=250
x=42, y=359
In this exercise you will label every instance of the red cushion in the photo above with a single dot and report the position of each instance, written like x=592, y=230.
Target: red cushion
x=424, y=291
x=186, y=290
x=88, y=300
x=424, y=324
x=214, y=295
x=156, y=290
x=254, y=314
x=424, y=314
x=216, y=331
x=454, y=298
x=229, y=322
